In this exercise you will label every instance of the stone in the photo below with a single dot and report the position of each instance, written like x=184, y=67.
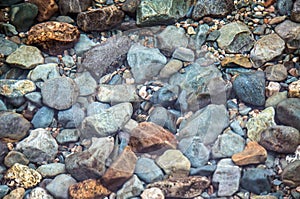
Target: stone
x=39, y=146
x=284, y=6
x=68, y=135
x=276, y=98
x=226, y=178
x=288, y=112
x=72, y=117
x=290, y=175
x=96, y=108
x=7, y=46
x=289, y=31
x=2, y=106
x=35, y=98
x=4, y=189
x=145, y=62
x=272, y=88
x=148, y=137
x=100, y=19
x=184, y=54
x=235, y=37
x=256, y=180
x=133, y=187
x=84, y=44
x=161, y=12
x=91, y=162
x=281, y=139
x=250, y=88
x=256, y=125
x=117, y=93
x=90, y=188
x=46, y=9
x=53, y=37
x=277, y=72
x=17, y=193
x=43, y=117
x=16, y=88
x=68, y=61
x=206, y=170
x=266, y=49
x=294, y=89
x=38, y=193
x=152, y=193
x=22, y=176
x=147, y=170
x=218, y=9
x=252, y=154
x=3, y=151
x=201, y=35
x=165, y=96
x=43, y=72
x=188, y=187
x=13, y=126
x=9, y=2
x=295, y=14
x=162, y=117
x=73, y=6
x=8, y=29
x=236, y=60
x=174, y=163
x=25, y=57
x=15, y=157
x=130, y=7
x=106, y=123
x=170, y=68
x=52, y=169
x=59, y=93
x=120, y=170
x=59, y=186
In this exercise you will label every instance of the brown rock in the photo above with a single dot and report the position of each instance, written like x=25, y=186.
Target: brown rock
x=238, y=60
x=120, y=170
x=188, y=187
x=269, y=3
x=73, y=6
x=252, y=154
x=294, y=89
x=53, y=37
x=291, y=174
x=295, y=15
x=130, y=6
x=149, y=137
x=100, y=19
x=88, y=189
x=46, y=8
x=17, y=193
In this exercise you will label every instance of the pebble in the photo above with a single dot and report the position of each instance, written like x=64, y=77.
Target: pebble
x=148, y=171
x=201, y=36
x=284, y=6
x=46, y=9
x=288, y=30
x=290, y=175
x=59, y=186
x=151, y=193
x=236, y=60
x=3, y=150
x=51, y=170
x=84, y=44
x=4, y=189
x=38, y=193
x=7, y=46
x=277, y=72
x=295, y=14
x=67, y=7
x=96, y=108
x=43, y=72
x=43, y=117
x=133, y=187
x=170, y=68
x=15, y=157
x=276, y=98
x=34, y=97
x=165, y=96
x=2, y=106
x=294, y=89
x=17, y=193
x=72, y=117
x=16, y=88
x=206, y=170
x=236, y=128
x=68, y=135
x=68, y=61
x=288, y=112
x=184, y=54
x=162, y=117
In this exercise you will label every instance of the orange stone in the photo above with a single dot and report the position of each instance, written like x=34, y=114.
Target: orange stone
x=148, y=137
x=46, y=8
x=269, y=2
x=238, y=60
x=252, y=154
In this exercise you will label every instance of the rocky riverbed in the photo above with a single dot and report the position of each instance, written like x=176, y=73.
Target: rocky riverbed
x=149, y=99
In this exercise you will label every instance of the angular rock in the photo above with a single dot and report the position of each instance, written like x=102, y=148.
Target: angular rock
x=44, y=72
x=130, y=7
x=43, y=117
x=291, y=174
x=295, y=14
x=288, y=112
x=91, y=162
x=238, y=60
x=133, y=187
x=100, y=19
x=290, y=32
x=294, y=89
x=17, y=193
x=170, y=68
x=38, y=193
x=206, y=170
x=164, y=118
x=96, y=108
x=7, y=46
x=284, y=6
x=15, y=157
x=72, y=117
x=84, y=43
x=73, y=6
x=147, y=170
x=4, y=189
x=68, y=135
x=165, y=96
x=59, y=186
x=16, y=88
x=152, y=193
x=276, y=99
x=46, y=8
x=277, y=72
x=184, y=54
x=266, y=48
x=252, y=154
x=51, y=170
x=256, y=180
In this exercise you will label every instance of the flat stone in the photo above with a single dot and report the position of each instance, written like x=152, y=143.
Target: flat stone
x=96, y=108
x=38, y=193
x=256, y=180
x=43, y=72
x=60, y=93
x=46, y=8
x=73, y=6
x=68, y=135
x=152, y=193
x=51, y=170
x=7, y=46
x=84, y=44
x=43, y=117
x=86, y=84
x=133, y=187
x=236, y=60
x=290, y=175
x=120, y=170
x=295, y=14
x=100, y=19
x=184, y=54
x=289, y=31
x=164, y=118
x=25, y=57
x=35, y=98
x=148, y=137
x=16, y=88
x=277, y=72
x=288, y=112
x=15, y=157
x=39, y=146
x=276, y=98
x=206, y=170
x=147, y=170
x=266, y=49
x=59, y=186
x=17, y=193
x=252, y=154
x=294, y=89
x=281, y=139
x=72, y=117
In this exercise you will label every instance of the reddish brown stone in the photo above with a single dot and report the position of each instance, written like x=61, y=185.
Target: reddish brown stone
x=120, y=170
x=46, y=8
x=88, y=189
x=269, y=2
x=252, y=154
x=148, y=137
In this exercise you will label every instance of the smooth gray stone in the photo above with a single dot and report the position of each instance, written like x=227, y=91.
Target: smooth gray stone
x=162, y=117
x=7, y=46
x=34, y=97
x=51, y=170
x=148, y=171
x=83, y=45
x=288, y=112
x=96, y=108
x=133, y=187
x=59, y=186
x=184, y=54
x=4, y=189
x=68, y=135
x=86, y=83
x=72, y=117
x=256, y=180
x=206, y=170
x=43, y=117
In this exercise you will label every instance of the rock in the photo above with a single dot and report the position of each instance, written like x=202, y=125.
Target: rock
x=22, y=15
x=68, y=135
x=165, y=96
x=161, y=12
x=52, y=170
x=8, y=29
x=256, y=125
x=218, y=9
x=120, y=170
x=184, y=54
x=4, y=189
x=15, y=157
x=295, y=14
x=90, y=188
x=188, y=187
x=236, y=60
x=43, y=117
x=148, y=137
x=84, y=44
x=72, y=117
x=13, y=126
x=152, y=193
x=227, y=144
x=277, y=72
x=147, y=170
x=250, y=88
x=59, y=186
x=196, y=152
x=73, y=6
x=288, y=112
x=227, y=178
x=284, y=6
x=17, y=193
x=252, y=154
x=46, y=8
x=133, y=187
x=145, y=62
x=106, y=123
x=9, y=2
x=201, y=36
x=7, y=46
x=289, y=31
x=60, y=93
x=100, y=19
x=170, y=68
x=44, y=72
x=99, y=60
x=235, y=37
x=91, y=162
x=281, y=139
x=25, y=57
x=162, y=117
x=117, y=93
x=294, y=89
x=256, y=180
x=39, y=146
x=290, y=175
x=3, y=151
x=38, y=193
x=22, y=176
x=206, y=170
x=2, y=106
x=16, y=88
x=53, y=37
x=276, y=98
x=96, y=108
x=35, y=98
x=266, y=48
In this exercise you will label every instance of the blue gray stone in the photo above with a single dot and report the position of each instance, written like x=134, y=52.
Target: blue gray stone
x=43, y=72
x=84, y=44
x=184, y=54
x=34, y=97
x=59, y=186
x=165, y=96
x=284, y=6
x=72, y=117
x=133, y=187
x=68, y=135
x=43, y=117
x=4, y=189
x=51, y=170
x=256, y=180
x=7, y=46
x=206, y=170
x=148, y=171
x=68, y=61
x=86, y=84
x=236, y=128
x=201, y=35
x=96, y=108
x=162, y=117
x=8, y=29
x=2, y=106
